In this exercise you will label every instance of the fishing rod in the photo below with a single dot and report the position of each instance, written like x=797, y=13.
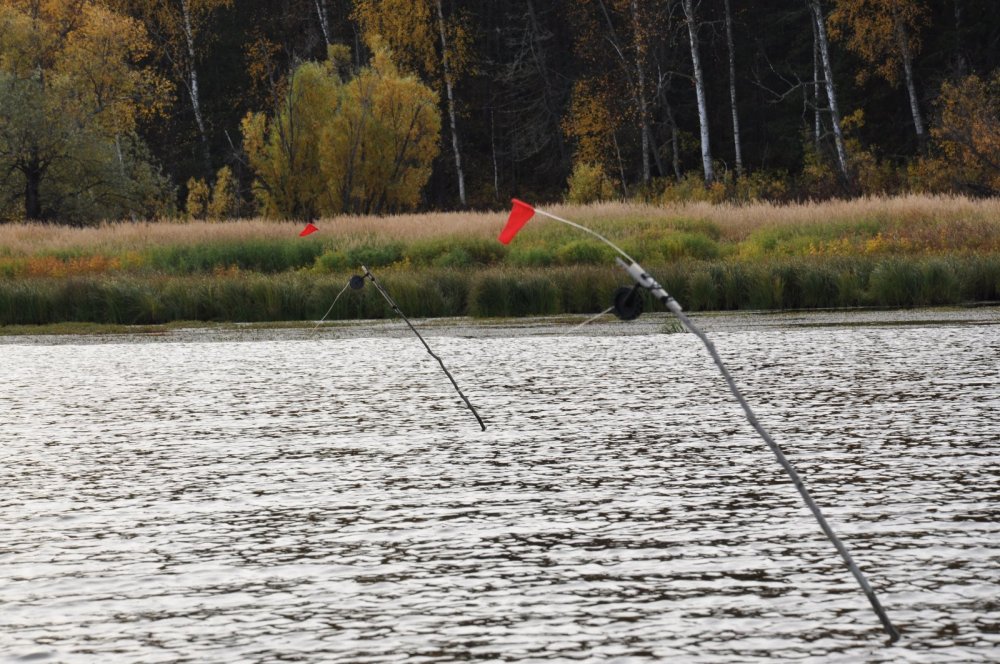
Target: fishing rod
x=628, y=305
x=357, y=282
x=395, y=307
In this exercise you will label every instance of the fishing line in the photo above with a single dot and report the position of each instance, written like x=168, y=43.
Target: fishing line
x=395, y=307
x=332, y=305
x=593, y=318
x=627, y=306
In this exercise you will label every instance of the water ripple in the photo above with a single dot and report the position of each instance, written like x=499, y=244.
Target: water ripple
x=317, y=499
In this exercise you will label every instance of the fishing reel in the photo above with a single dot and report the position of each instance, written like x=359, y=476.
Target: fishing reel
x=357, y=282
x=627, y=302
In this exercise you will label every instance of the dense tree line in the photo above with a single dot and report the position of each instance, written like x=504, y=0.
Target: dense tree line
x=132, y=108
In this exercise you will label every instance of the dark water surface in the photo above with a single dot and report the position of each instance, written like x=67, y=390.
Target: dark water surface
x=264, y=496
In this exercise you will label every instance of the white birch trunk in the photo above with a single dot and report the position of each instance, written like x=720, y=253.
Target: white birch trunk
x=737, y=144
x=699, y=87
x=831, y=92
x=451, y=104
x=911, y=87
x=193, y=81
x=817, y=117
x=324, y=25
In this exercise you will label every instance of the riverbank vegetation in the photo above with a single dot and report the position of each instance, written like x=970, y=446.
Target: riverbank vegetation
x=882, y=252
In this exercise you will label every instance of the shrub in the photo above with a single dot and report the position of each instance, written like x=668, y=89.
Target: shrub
x=584, y=252
x=588, y=183
x=225, y=203
x=197, y=199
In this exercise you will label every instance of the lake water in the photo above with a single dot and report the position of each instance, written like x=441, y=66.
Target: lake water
x=281, y=495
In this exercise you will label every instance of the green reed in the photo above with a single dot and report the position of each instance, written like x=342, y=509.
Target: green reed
x=499, y=290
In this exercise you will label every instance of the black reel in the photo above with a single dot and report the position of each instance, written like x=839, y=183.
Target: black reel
x=627, y=302
x=357, y=282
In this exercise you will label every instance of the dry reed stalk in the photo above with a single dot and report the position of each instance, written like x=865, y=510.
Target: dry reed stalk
x=736, y=223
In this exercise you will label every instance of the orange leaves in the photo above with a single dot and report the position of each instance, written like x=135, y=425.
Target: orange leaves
x=880, y=31
x=968, y=133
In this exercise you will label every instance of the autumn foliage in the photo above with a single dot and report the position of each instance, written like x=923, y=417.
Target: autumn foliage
x=227, y=109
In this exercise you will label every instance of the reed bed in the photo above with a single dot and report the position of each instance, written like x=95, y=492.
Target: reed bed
x=500, y=291
x=905, y=251
x=732, y=222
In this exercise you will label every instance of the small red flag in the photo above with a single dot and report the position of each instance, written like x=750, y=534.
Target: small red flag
x=310, y=228
x=519, y=216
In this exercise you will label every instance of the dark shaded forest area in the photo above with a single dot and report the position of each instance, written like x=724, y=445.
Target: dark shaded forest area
x=548, y=99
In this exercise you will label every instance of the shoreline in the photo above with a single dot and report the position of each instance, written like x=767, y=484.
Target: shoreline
x=980, y=313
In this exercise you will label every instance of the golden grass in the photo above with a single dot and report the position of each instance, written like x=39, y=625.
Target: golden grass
x=963, y=217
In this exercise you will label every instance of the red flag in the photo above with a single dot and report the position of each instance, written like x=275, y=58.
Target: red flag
x=519, y=216
x=310, y=228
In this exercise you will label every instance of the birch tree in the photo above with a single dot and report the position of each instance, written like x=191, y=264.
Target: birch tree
x=699, y=87
x=640, y=29
x=886, y=34
x=180, y=28
x=731, y=49
x=324, y=22
x=831, y=93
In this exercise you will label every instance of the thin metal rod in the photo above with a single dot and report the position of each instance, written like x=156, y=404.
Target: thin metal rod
x=643, y=279
x=332, y=305
x=395, y=307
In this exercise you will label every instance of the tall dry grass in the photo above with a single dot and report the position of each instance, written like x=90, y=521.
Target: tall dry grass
x=963, y=218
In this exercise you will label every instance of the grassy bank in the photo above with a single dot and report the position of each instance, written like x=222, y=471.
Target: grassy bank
x=873, y=252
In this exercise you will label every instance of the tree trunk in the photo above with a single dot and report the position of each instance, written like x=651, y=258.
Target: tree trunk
x=324, y=24
x=699, y=87
x=817, y=117
x=640, y=90
x=737, y=146
x=960, y=66
x=193, y=85
x=32, y=188
x=493, y=152
x=675, y=156
x=675, y=160
x=451, y=104
x=621, y=164
x=831, y=92
x=911, y=87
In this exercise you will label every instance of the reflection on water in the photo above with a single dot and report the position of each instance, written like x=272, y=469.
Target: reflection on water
x=286, y=497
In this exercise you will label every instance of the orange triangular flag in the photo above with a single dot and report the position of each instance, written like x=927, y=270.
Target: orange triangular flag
x=519, y=216
x=310, y=228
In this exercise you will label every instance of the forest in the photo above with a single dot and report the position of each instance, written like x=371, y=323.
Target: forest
x=299, y=109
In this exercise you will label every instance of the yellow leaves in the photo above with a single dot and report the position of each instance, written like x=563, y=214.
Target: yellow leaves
x=361, y=145
x=410, y=29
x=103, y=56
x=407, y=26
x=225, y=202
x=197, y=198
x=88, y=58
x=590, y=122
